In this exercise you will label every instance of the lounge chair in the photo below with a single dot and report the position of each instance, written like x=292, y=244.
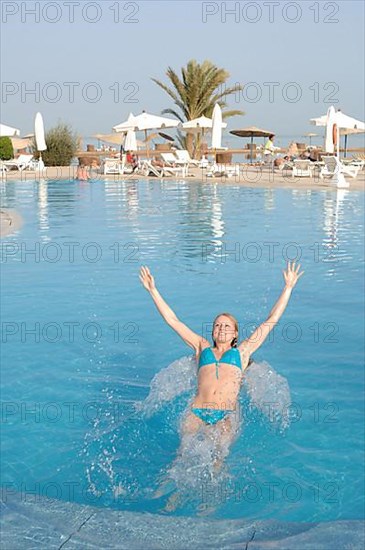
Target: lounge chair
x=227, y=170
x=147, y=169
x=173, y=162
x=170, y=159
x=115, y=166
x=21, y=163
x=302, y=168
x=183, y=156
x=333, y=166
x=354, y=162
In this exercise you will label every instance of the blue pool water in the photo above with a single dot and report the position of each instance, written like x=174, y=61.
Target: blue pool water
x=84, y=417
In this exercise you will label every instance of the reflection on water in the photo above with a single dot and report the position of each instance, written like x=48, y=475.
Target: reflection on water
x=333, y=208
x=43, y=208
x=175, y=218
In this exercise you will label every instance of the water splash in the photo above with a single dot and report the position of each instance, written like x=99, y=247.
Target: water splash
x=200, y=460
x=269, y=393
x=179, y=377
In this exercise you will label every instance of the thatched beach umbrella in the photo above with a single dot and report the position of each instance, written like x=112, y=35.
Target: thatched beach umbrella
x=310, y=135
x=20, y=143
x=252, y=131
x=109, y=138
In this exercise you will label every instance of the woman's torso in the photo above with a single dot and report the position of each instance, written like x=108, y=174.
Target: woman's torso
x=220, y=378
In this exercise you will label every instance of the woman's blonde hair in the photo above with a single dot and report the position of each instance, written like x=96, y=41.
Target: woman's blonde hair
x=234, y=321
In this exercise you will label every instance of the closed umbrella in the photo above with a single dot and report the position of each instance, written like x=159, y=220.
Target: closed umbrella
x=8, y=131
x=251, y=132
x=39, y=137
x=130, y=143
x=331, y=137
x=166, y=136
x=217, y=127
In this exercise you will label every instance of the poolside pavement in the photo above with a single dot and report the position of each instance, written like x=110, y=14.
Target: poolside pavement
x=250, y=176
x=33, y=522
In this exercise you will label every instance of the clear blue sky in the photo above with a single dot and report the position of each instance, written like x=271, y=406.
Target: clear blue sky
x=311, y=52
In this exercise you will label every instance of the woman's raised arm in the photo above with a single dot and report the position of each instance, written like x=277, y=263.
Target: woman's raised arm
x=258, y=337
x=190, y=338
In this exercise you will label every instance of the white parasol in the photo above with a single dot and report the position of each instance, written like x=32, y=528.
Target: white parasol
x=8, y=131
x=146, y=121
x=345, y=125
x=217, y=127
x=331, y=137
x=130, y=143
x=39, y=138
x=199, y=125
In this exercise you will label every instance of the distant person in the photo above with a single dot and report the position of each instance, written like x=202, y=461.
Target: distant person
x=293, y=151
x=132, y=159
x=82, y=173
x=269, y=148
x=122, y=151
x=282, y=161
x=314, y=155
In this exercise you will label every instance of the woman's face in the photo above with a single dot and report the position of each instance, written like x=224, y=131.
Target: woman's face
x=224, y=330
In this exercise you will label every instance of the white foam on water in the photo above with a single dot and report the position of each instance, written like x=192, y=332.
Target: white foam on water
x=269, y=393
x=179, y=377
x=196, y=462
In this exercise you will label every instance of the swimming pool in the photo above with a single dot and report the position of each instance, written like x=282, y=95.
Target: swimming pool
x=82, y=342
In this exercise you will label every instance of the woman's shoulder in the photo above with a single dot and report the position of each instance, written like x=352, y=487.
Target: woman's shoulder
x=203, y=344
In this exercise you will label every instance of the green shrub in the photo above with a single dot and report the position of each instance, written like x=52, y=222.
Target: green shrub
x=6, y=148
x=62, y=144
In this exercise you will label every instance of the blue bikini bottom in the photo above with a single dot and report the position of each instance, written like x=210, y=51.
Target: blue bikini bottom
x=211, y=416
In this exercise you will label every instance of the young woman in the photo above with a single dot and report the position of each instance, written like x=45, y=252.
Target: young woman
x=221, y=367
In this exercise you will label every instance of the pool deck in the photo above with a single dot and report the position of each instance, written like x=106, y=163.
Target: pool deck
x=249, y=177
x=32, y=522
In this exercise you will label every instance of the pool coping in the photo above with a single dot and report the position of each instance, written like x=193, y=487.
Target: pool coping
x=31, y=521
x=252, y=177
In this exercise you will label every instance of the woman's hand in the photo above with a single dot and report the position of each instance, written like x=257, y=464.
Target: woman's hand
x=147, y=279
x=292, y=274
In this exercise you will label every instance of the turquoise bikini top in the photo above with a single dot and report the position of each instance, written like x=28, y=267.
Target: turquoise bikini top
x=231, y=357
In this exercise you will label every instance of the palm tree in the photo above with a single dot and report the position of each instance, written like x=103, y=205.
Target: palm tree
x=201, y=86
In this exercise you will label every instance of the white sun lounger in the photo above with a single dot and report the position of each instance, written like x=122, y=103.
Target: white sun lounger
x=172, y=162
x=115, y=166
x=227, y=170
x=302, y=168
x=333, y=166
x=21, y=163
x=183, y=156
x=148, y=168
